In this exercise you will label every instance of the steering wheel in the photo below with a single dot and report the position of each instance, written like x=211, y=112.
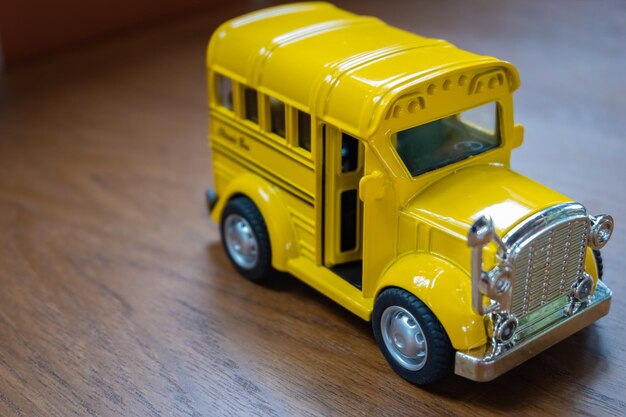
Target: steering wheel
x=467, y=147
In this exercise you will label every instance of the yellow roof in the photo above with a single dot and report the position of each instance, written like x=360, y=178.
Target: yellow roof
x=335, y=64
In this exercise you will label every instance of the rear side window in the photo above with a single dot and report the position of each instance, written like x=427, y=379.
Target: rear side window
x=224, y=89
x=252, y=104
x=304, y=130
x=277, y=117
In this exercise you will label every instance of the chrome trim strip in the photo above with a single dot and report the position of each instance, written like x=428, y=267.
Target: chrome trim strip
x=481, y=365
x=538, y=222
x=480, y=234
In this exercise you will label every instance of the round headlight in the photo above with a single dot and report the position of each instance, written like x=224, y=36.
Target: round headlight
x=601, y=231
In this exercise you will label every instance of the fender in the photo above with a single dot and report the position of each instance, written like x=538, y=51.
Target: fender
x=591, y=266
x=445, y=289
x=268, y=199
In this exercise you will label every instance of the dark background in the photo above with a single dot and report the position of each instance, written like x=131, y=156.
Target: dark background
x=116, y=297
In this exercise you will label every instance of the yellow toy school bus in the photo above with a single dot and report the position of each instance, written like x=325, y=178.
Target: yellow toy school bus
x=374, y=165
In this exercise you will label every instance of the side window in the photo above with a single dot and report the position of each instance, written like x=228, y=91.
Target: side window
x=349, y=153
x=277, y=117
x=304, y=130
x=251, y=107
x=224, y=89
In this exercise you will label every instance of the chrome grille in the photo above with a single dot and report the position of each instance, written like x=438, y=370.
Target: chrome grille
x=547, y=264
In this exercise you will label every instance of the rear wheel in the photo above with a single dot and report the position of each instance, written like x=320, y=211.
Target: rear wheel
x=411, y=338
x=245, y=239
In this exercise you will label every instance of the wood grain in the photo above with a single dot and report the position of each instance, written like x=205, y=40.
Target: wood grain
x=35, y=28
x=117, y=299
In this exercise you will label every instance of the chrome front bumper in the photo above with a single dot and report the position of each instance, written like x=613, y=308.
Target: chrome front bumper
x=480, y=365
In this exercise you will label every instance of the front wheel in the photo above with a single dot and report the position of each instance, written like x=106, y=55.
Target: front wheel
x=411, y=338
x=598, y=257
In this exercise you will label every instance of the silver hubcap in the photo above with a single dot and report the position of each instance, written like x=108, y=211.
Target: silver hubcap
x=240, y=241
x=404, y=338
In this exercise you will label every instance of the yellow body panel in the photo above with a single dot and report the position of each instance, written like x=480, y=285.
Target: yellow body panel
x=356, y=75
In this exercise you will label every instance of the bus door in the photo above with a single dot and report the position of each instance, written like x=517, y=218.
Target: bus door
x=343, y=210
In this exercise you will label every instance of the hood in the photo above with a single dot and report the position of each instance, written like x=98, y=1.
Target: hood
x=458, y=199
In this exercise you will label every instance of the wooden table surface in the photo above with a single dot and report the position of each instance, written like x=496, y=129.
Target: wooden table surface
x=117, y=298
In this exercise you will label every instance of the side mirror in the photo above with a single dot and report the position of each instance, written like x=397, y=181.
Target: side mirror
x=518, y=136
x=372, y=186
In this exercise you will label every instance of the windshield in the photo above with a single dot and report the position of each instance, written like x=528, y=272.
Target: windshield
x=451, y=139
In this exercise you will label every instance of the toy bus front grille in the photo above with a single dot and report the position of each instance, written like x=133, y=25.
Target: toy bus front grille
x=547, y=265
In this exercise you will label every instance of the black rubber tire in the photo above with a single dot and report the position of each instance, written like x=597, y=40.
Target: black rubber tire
x=598, y=256
x=245, y=208
x=440, y=357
